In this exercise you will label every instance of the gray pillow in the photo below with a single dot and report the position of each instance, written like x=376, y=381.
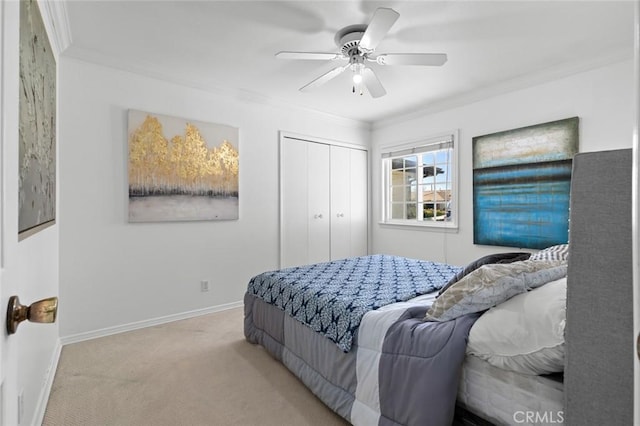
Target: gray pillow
x=491, y=285
x=485, y=260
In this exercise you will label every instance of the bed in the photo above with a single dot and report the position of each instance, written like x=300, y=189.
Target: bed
x=392, y=348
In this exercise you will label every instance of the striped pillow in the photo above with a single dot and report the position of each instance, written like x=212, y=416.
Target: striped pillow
x=559, y=252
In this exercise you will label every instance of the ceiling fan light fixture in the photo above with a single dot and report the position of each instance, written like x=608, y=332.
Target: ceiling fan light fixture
x=357, y=73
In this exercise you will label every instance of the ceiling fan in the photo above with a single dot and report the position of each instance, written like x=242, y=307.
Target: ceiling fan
x=357, y=45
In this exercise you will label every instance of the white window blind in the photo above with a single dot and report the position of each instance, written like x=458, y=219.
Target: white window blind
x=422, y=147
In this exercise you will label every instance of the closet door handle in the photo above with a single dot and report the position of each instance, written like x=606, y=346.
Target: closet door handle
x=340, y=215
x=317, y=216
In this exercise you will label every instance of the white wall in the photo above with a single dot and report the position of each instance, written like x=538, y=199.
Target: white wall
x=29, y=267
x=113, y=273
x=602, y=98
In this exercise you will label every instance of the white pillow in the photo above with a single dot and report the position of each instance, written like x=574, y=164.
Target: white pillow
x=526, y=333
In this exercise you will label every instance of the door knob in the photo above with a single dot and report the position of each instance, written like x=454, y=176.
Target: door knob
x=43, y=311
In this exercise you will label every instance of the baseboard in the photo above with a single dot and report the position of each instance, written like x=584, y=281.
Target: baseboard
x=80, y=337
x=41, y=407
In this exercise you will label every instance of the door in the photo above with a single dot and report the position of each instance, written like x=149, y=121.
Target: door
x=3, y=117
x=5, y=27
x=293, y=203
x=359, y=202
x=304, y=202
x=348, y=202
x=9, y=95
x=340, y=202
x=318, y=202
x=636, y=220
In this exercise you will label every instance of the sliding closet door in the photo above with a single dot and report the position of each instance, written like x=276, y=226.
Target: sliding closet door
x=304, y=192
x=348, y=202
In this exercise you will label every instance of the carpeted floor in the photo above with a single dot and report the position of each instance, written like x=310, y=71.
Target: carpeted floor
x=198, y=371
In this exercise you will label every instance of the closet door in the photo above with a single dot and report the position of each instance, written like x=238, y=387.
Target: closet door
x=348, y=202
x=304, y=202
x=318, y=202
x=359, y=203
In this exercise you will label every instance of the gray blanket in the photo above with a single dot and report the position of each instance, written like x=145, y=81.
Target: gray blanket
x=400, y=370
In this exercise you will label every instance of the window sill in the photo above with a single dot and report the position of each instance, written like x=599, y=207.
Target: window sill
x=426, y=226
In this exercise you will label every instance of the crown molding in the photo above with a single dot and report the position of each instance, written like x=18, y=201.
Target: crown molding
x=56, y=21
x=543, y=76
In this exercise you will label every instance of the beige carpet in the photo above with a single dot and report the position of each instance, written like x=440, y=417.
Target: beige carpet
x=198, y=371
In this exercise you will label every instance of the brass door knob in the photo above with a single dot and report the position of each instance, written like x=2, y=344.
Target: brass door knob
x=43, y=311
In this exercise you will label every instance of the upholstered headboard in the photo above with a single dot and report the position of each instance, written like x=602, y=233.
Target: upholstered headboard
x=599, y=330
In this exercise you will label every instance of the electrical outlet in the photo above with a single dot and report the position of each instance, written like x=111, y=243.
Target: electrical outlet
x=204, y=285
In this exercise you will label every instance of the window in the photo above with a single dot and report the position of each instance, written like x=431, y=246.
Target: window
x=420, y=182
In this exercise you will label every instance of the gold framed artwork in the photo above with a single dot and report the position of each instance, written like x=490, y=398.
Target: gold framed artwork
x=37, y=125
x=181, y=170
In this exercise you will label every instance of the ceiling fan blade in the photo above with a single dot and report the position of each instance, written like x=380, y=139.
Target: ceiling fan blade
x=429, y=59
x=308, y=55
x=324, y=78
x=373, y=84
x=382, y=21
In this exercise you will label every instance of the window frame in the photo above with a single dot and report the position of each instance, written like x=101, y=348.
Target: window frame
x=419, y=147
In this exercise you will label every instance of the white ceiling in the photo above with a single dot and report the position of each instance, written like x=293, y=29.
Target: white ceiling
x=228, y=47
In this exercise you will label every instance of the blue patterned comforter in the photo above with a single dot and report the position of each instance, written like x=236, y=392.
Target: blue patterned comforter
x=332, y=297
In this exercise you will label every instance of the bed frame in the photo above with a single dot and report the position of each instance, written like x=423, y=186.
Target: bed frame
x=599, y=328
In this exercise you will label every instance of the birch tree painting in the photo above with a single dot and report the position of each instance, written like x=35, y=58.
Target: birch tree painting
x=37, y=124
x=181, y=170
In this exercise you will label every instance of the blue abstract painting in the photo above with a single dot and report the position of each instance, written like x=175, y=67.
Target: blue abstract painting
x=522, y=183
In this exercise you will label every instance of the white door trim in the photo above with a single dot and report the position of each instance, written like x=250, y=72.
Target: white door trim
x=635, y=214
